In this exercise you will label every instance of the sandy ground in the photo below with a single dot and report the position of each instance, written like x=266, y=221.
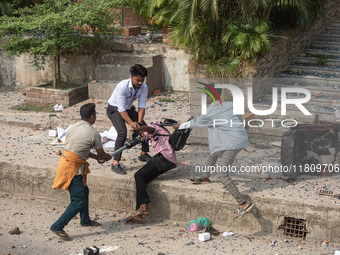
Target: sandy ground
x=34, y=216
x=24, y=145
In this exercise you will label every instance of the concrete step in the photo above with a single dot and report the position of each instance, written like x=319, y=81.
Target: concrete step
x=323, y=78
x=328, y=37
x=109, y=72
x=331, y=52
x=315, y=61
x=317, y=98
x=326, y=112
x=121, y=59
x=101, y=89
x=334, y=24
x=316, y=90
x=332, y=31
x=323, y=70
x=309, y=80
x=326, y=44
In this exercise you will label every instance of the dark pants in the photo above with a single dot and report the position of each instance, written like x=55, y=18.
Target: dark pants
x=79, y=195
x=156, y=166
x=119, y=123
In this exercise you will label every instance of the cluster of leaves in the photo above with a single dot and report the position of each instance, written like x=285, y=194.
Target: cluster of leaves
x=59, y=27
x=7, y=6
x=223, y=33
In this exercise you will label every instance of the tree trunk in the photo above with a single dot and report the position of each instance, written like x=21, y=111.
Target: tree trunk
x=59, y=73
x=55, y=73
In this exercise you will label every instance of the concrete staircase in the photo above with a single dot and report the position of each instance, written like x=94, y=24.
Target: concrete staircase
x=317, y=70
x=114, y=67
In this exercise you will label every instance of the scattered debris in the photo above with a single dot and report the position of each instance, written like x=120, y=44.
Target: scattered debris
x=227, y=234
x=157, y=92
x=52, y=132
x=212, y=231
x=277, y=144
x=198, y=224
x=324, y=244
x=204, y=236
x=58, y=107
x=93, y=250
x=325, y=192
x=274, y=243
x=250, y=238
x=14, y=231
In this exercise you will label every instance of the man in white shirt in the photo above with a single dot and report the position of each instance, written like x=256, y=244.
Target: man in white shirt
x=121, y=110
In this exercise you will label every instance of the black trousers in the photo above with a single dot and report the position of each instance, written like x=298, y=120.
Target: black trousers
x=119, y=123
x=156, y=166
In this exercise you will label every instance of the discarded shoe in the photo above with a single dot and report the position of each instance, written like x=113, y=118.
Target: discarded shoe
x=144, y=157
x=212, y=231
x=118, y=169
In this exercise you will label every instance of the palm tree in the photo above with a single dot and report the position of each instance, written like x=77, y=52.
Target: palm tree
x=223, y=33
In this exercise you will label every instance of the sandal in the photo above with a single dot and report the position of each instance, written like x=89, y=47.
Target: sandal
x=62, y=234
x=134, y=218
x=92, y=223
x=240, y=211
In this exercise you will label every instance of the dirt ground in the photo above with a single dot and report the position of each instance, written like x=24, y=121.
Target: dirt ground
x=33, y=217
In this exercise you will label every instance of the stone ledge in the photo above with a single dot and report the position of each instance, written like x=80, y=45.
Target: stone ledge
x=179, y=201
x=40, y=95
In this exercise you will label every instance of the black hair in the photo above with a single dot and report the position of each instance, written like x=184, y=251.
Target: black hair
x=138, y=70
x=87, y=110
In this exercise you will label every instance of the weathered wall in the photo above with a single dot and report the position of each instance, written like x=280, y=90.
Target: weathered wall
x=79, y=69
x=175, y=65
x=7, y=71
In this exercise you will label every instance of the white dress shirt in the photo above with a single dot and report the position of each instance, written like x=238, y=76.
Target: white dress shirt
x=124, y=94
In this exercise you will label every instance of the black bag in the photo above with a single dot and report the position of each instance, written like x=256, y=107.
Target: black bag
x=309, y=144
x=178, y=138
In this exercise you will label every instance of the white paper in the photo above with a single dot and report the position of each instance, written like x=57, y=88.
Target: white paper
x=61, y=133
x=111, y=135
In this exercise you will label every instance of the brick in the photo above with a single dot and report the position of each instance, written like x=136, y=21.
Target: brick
x=36, y=89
